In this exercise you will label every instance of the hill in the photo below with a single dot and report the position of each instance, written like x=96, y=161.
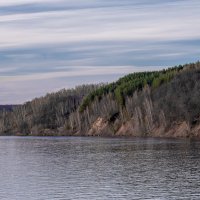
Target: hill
x=7, y=107
x=160, y=103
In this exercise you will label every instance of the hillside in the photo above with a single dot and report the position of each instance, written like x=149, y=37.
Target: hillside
x=160, y=103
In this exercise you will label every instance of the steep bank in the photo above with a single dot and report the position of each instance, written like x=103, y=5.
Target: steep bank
x=158, y=104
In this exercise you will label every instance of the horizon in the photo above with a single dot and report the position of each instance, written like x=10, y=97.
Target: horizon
x=48, y=46
x=73, y=88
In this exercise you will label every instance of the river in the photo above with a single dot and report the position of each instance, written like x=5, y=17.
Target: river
x=62, y=168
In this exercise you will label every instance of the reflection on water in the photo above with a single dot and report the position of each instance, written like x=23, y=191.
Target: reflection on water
x=98, y=168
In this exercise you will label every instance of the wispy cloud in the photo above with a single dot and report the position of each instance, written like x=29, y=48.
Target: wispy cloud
x=101, y=24
x=45, y=40
x=77, y=72
x=19, y=2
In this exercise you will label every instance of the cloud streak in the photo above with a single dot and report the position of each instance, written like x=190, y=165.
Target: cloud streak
x=159, y=22
x=77, y=72
x=67, y=39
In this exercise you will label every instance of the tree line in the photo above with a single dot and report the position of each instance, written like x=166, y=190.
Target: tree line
x=146, y=99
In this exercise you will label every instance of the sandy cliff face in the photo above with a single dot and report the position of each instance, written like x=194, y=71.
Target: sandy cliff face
x=196, y=131
x=132, y=128
x=99, y=127
x=146, y=120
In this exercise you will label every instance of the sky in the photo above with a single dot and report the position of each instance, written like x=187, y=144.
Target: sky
x=48, y=45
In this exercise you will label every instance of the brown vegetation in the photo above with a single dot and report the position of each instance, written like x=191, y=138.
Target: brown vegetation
x=166, y=104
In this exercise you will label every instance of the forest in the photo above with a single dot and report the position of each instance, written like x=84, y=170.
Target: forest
x=158, y=103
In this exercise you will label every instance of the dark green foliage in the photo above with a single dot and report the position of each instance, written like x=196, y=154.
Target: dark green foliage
x=133, y=82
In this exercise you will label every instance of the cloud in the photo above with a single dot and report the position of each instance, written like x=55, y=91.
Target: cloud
x=76, y=72
x=67, y=40
x=7, y=69
x=19, y=2
x=140, y=22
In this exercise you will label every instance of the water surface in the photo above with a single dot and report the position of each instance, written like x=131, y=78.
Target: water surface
x=64, y=168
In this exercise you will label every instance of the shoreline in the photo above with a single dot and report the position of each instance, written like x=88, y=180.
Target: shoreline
x=103, y=137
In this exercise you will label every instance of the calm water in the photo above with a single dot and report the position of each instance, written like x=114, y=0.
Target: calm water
x=98, y=168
